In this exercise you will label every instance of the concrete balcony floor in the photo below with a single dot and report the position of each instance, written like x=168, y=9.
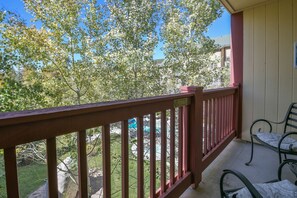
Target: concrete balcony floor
x=263, y=168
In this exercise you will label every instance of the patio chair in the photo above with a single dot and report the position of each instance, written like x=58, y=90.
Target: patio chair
x=278, y=142
x=275, y=188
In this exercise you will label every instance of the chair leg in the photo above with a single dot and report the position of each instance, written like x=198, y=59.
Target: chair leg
x=252, y=152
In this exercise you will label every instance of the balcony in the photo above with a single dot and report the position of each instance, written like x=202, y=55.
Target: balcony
x=234, y=157
x=194, y=127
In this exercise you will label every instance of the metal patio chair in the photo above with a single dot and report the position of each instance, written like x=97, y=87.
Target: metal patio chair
x=281, y=143
x=275, y=188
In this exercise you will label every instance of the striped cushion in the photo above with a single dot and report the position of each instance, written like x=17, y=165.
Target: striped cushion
x=289, y=144
x=282, y=188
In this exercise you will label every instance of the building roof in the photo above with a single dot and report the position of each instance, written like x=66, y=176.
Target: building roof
x=234, y=6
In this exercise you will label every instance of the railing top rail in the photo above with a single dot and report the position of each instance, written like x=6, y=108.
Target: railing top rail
x=219, y=92
x=11, y=118
x=27, y=126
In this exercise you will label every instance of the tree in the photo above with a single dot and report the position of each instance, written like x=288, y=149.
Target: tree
x=87, y=51
x=187, y=49
x=68, y=45
x=21, y=86
x=132, y=39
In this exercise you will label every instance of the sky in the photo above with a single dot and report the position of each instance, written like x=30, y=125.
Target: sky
x=218, y=28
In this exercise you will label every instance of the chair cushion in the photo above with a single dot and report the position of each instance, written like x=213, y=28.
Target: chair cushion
x=282, y=188
x=289, y=144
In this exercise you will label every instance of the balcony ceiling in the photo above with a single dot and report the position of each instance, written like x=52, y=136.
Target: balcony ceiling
x=234, y=6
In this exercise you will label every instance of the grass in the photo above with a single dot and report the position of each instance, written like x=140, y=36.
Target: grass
x=30, y=178
x=33, y=176
x=96, y=162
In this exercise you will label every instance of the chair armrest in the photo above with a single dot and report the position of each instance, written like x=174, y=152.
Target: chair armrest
x=242, y=178
x=262, y=120
x=283, y=137
x=280, y=168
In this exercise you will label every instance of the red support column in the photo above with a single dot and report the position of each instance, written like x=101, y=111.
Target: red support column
x=236, y=112
x=195, y=133
x=237, y=61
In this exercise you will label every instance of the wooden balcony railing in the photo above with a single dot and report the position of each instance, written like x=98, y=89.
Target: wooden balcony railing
x=220, y=114
x=195, y=126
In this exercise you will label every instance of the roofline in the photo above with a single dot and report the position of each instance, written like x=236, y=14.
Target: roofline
x=228, y=6
x=232, y=10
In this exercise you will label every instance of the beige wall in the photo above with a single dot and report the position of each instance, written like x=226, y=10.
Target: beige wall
x=269, y=80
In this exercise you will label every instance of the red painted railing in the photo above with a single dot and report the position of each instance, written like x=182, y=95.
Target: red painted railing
x=220, y=114
x=194, y=128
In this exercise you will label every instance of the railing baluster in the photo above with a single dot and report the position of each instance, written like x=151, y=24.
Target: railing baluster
x=222, y=118
x=106, y=161
x=210, y=125
x=230, y=114
x=163, y=151
x=125, y=159
x=213, y=122
x=52, y=167
x=172, y=146
x=219, y=120
x=82, y=164
x=185, y=138
x=203, y=129
x=152, y=155
x=180, y=142
x=206, y=125
x=11, y=172
x=216, y=120
x=140, y=176
x=226, y=116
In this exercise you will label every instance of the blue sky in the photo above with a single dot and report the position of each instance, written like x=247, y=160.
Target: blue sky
x=218, y=28
x=221, y=26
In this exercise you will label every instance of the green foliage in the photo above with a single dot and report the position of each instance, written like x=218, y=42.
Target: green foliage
x=187, y=49
x=132, y=39
x=15, y=96
x=86, y=51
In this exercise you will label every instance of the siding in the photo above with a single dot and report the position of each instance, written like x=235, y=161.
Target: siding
x=269, y=80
